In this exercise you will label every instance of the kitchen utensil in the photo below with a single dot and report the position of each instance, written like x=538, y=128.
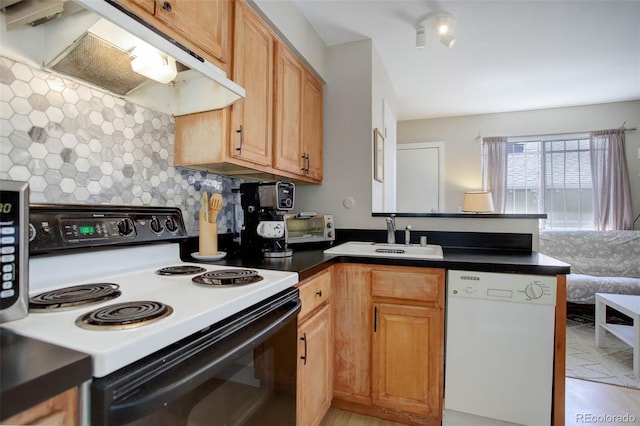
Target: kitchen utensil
x=205, y=206
x=215, y=205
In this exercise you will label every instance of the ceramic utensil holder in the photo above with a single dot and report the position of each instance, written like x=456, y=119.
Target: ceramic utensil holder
x=208, y=238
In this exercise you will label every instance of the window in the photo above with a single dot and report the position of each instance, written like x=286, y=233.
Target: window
x=551, y=175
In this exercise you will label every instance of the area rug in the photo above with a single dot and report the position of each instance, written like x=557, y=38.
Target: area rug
x=612, y=365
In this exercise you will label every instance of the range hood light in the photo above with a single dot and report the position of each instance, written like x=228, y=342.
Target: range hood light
x=153, y=65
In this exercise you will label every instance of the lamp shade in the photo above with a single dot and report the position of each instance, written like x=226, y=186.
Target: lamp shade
x=477, y=202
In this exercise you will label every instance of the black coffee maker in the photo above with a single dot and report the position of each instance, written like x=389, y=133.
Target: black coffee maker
x=264, y=205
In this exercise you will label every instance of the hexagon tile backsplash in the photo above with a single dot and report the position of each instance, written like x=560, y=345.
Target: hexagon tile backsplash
x=79, y=145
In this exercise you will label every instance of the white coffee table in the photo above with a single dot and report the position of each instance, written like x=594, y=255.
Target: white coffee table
x=630, y=334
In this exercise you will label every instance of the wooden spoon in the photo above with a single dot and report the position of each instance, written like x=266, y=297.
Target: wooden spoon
x=205, y=206
x=215, y=205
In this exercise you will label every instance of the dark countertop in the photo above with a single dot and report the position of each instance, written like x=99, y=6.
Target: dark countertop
x=471, y=251
x=34, y=371
x=309, y=262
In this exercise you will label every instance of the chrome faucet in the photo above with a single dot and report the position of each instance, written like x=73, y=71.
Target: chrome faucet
x=391, y=229
x=407, y=235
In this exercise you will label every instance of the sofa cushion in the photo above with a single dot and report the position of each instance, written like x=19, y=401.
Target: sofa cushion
x=598, y=253
x=583, y=288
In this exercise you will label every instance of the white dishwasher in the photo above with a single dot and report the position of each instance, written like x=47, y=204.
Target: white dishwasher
x=499, y=349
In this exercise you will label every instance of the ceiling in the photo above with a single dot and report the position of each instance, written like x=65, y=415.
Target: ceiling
x=510, y=55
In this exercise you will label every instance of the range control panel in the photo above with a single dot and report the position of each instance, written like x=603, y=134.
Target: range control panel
x=53, y=227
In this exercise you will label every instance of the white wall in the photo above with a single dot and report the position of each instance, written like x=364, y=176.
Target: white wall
x=382, y=92
x=346, y=189
x=352, y=108
x=462, y=153
x=356, y=83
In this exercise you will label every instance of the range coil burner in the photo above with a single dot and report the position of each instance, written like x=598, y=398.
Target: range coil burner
x=228, y=277
x=180, y=270
x=124, y=315
x=73, y=297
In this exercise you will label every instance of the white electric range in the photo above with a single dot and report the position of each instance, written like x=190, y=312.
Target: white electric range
x=77, y=252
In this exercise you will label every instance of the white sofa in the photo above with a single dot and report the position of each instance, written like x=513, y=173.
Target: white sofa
x=601, y=261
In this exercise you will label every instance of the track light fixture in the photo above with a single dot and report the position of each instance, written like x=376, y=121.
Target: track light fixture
x=442, y=24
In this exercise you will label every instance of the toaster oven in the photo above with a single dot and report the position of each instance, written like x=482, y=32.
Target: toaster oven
x=309, y=228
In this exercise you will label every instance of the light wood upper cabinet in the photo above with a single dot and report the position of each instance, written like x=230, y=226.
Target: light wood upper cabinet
x=298, y=118
x=140, y=7
x=252, y=117
x=236, y=140
x=288, y=86
x=203, y=22
x=315, y=350
x=201, y=25
x=312, y=126
x=276, y=130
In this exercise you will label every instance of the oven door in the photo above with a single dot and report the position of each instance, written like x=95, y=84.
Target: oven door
x=241, y=371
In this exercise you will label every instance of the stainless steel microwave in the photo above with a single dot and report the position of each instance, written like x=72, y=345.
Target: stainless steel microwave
x=309, y=228
x=14, y=248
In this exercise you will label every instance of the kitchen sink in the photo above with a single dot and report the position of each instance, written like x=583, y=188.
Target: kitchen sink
x=388, y=251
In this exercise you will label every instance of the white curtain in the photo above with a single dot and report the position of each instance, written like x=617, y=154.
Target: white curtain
x=611, y=188
x=494, y=170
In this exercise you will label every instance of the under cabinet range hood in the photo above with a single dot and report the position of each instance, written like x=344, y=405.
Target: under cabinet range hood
x=100, y=43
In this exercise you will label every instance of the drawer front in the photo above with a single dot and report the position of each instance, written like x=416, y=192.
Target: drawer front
x=422, y=285
x=314, y=292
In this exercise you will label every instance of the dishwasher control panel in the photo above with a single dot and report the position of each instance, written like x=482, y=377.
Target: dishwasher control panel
x=539, y=289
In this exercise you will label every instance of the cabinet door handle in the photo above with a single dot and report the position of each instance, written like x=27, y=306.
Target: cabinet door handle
x=166, y=6
x=304, y=339
x=319, y=293
x=239, y=149
x=305, y=163
x=375, y=319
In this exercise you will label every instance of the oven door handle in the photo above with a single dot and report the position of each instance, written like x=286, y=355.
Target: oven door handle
x=194, y=369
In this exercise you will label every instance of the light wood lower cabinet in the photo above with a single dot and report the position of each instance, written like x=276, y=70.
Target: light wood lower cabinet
x=405, y=367
x=60, y=410
x=352, y=333
x=389, y=337
x=315, y=350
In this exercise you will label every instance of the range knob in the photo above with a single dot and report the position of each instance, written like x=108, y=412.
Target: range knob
x=171, y=224
x=125, y=227
x=155, y=225
x=533, y=291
